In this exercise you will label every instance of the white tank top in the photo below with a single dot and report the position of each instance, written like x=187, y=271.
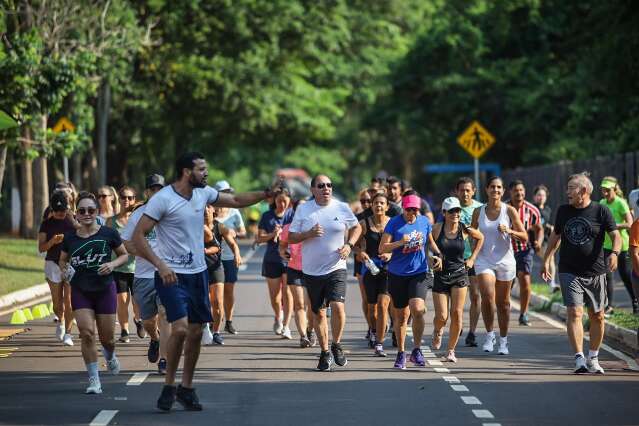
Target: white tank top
x=497, y=248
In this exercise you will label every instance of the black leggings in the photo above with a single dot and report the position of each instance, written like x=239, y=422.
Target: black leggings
x=624, y=268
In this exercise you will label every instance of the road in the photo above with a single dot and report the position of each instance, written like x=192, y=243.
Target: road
x=259, y=379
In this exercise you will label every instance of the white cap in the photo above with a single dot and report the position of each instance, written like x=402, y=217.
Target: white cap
x=451, y=203
x=223, y=186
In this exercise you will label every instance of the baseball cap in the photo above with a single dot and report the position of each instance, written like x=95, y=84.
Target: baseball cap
x=59, y=201
x=451, y=203
x=608, y=184
x=223, y=186
x=411, y=201
x=154, y=180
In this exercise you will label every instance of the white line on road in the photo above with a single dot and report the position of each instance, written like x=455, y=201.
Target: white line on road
x=471, y=400
x=103, y=418
x=245, y=258
x=120, y=398
x=434, y=362
x=441, y=370
x=491, y=424
x=137, y=379
x=483, y=414
x=459, y=388
x=451, y=379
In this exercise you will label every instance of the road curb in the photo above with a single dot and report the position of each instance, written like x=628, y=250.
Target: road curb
x=616, y=336
x=24, y=298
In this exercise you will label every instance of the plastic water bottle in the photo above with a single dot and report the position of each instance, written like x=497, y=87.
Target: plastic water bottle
x=373, y=269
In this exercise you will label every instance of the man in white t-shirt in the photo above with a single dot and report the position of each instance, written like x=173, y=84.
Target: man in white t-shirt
x=327, y=229
x=177, y=214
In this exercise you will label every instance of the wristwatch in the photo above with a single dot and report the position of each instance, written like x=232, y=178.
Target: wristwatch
x=350, y=245
x=615, y=252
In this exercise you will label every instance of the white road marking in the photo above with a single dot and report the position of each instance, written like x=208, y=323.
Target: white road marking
x=471, y=400
x=245, y=259
x=483, y=414
x=451, y=379
x=429, y=355
x=103, y=418
x=137, y=379
x=120, y=398
x=441, y=370
x=491, y=424
x=459, y=388
x=434, y=362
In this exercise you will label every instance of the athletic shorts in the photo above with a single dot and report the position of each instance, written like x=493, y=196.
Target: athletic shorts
x=294, y=277
x=579, y=290
x=404, y=288
x=188, y=297
x=524, y=261
x=146, y=297
x=102, y=302
x=375, y=285
x=357, y=267
x=216, y=273
x=323, y=289
x=123, y=282
x=273, y=269
x=445, y=281
x=52, y=271
x=230, y=271
x=502, y=271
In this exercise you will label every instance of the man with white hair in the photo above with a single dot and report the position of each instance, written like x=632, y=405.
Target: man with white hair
x=580, y=227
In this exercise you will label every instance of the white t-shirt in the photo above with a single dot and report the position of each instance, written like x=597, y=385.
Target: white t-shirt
x=180, y=227
x=632, y=202
x=143, y=268
x=233, y=220
x=319, y=254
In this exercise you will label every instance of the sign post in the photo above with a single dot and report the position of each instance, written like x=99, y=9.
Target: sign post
x=64, y=125
x=476, y=140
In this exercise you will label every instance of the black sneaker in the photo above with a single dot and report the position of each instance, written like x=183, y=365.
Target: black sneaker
x=167, y=398
x=124, y=337
x=188, y=398
x=228, y=327
x=471, y=340
x=140, y=328
x=153, y=354
x=338, y=354
x=325, y=361
x=162, y=367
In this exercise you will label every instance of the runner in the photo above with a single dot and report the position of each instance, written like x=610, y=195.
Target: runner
x=109, y=203
x=85, y=256
x=151, y=310
x=320, y=225
x=394, y=192
x=613, y=199
x=375, y=281
x=524, y=251
x=540, y=198
x=495, y=265
x=50, y=238
x=409, y=276
x=579, y=229
x=177, y=213
x=232, y=219
x=365, y=198
x=465, y=191
x=273, y=267
x=451, y=281
x=634, y=256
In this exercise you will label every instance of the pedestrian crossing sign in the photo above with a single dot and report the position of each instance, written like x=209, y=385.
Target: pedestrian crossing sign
x=63, y=125
x=476, y=140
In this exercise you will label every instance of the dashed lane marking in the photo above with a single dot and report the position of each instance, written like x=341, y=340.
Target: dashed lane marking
x=471, y=400
x=451, y=379
x=459, y=388
x=120, y=398
x=483, y=414
x=137, y=379
x=434, y=362
x=491, y=424
x=103, y=418
x=441, y=370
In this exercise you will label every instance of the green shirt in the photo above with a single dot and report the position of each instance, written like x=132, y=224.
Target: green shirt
x=466, y=218
x=129, y=266
x=619, y=208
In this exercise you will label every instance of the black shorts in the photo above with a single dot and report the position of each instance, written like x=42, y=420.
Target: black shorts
x=294, y=277
x=324, y=289
x=216, y=273
x=444, y=282
x=471, y=272
x=273, y=269
x=375, y=285
x=524, y=260
x=357, y=268
x=123, y=282
x=403, y=288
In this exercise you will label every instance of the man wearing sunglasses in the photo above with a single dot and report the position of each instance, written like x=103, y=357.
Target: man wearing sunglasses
x=327, y=229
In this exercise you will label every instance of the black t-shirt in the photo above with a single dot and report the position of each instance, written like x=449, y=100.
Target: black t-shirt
x=582, y=235
x=393, y=210
x=52, y=227
x=546, y=219
x=86, y=255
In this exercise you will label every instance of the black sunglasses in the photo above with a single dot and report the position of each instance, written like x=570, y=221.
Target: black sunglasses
x=128, y=197
x=89, y=210
x=365, y=200
x=103, y=195
x=324, y=185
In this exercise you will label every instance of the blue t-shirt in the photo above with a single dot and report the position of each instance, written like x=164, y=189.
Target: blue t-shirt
x=411, y=258
x=267, y=223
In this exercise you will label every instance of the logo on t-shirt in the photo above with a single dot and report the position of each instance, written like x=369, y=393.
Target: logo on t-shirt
x=91, y=254
x=415, y=243
x=578, y=231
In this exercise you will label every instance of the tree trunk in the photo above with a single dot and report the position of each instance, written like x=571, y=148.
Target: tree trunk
x=41, y=176
x=103, y=107
x=3, y=164
x=76, y=166
x=27, y=227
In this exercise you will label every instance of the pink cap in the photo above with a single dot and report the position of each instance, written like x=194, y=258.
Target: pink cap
x=411, y=201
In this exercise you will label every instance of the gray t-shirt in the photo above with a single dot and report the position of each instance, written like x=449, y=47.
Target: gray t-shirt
x=143, y=268
x=233, y=220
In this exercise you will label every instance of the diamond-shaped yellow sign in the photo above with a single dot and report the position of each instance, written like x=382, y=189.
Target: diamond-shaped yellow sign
x=63, y=125
x=476, y=140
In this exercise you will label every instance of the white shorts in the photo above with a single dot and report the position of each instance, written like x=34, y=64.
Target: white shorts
x=501, y=271
x=52, y=271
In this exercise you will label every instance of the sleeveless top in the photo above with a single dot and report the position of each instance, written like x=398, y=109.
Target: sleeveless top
x=497, y=248
x=129, y=266
x=214, y=259
x=452, y=250
x=372, y=239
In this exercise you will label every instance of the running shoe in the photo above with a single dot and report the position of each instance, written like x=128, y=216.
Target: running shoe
x=471, y=340
x=162, y=367
x=59, y=331
x=379, y=350
x=207, y=336
x=304, y=342
x=593, y=365
x=312, y=337
x=489, y=343
x=368, y=335
x=417, y=357
x=124, y=337
x=228, y=327
x=580, y=365
x=523, y=319
x=400, y=361
x=94, y=386
x=167, y=397
x=218, y=339
x=188, y=398
x=67, y=340
x=371, y=340
x=286, y=333
x=503, y=346
x=449, y=357
x=394, y=338
x=277, y=327
x=437, y=340
x=154, y=351
x=139, y=328
x=325, y=361
x=113, y=365
x=338, y=354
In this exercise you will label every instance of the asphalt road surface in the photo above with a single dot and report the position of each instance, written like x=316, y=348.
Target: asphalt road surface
x=258, y=378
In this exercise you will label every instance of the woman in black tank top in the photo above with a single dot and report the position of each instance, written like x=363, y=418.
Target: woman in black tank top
x=451, y=280
x=376, y=285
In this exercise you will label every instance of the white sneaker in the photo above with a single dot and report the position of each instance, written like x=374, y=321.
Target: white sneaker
x=94, y=386
x=67, y=340
x=113, y=365
x=503, y=346
x=278, y=327
x=207, y=336
x=286, y=332
x=59, y=331
x=489, y=343
x=593, y=365
x=580, y=365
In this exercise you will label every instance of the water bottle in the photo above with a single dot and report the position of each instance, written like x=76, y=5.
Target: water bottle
x=373, y=269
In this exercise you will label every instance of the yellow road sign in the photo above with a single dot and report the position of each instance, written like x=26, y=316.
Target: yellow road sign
x=63, y=125
x=476, y=140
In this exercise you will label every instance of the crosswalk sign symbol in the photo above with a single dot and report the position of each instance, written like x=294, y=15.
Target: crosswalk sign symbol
x=63, y=125
x=476, y=140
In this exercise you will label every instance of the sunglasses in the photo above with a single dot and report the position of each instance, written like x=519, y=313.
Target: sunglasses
x=324, y=185
x=84, y=211
x=365, y=200
x=128, y=197
x=453, y=211
x=103, y=195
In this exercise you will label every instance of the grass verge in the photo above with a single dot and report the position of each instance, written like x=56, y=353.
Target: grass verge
x=20, y=264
